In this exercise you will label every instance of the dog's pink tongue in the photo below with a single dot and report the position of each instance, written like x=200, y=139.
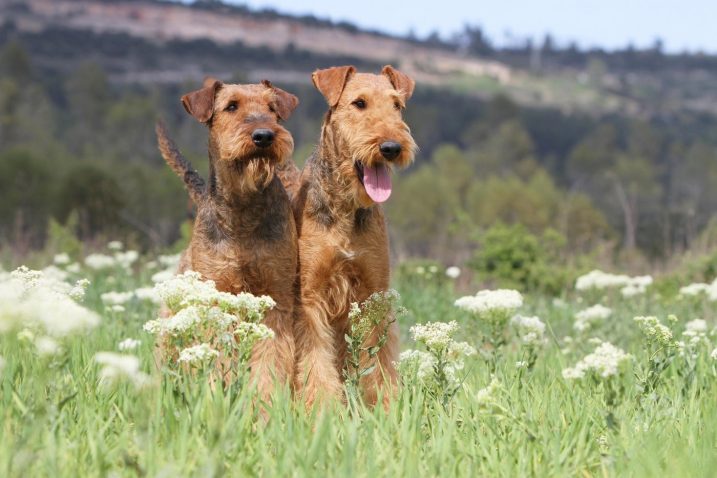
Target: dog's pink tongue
x=377, y=182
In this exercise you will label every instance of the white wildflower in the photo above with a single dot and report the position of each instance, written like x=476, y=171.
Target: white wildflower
x=171, y=260
x=73, y=268
x=453, y=272
x=695, y=289
x=129, y=344
x=126, y=259
x=100, y=261
x=117, y=367
x=115, y=246
x=632, y=290
x=586, y=318
x=54, y=274
x=198, y=354
x=457, y=350
x=486, y=395
x=113, y=298
x=78, y=290
x=437, y=335
x=147, y=293
x=163, y=276
x=47, y=346
x=695, y=332
x=486, y=301
x=251, y=332
x=531, y=330
x=573, y=373
x=654, y=330
x=423, y=362
x=604, y=362
x=61, y=259
x=183, y=321
x=116, y=308
x=420, y=270
x=559, y=303
x=697, y=326
x=27, y=298
x=521, y=364
x=432, y=269
x=598, y=279
x=713, y=354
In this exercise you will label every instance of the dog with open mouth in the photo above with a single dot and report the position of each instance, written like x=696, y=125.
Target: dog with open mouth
x=244, y=236
x=343, y=244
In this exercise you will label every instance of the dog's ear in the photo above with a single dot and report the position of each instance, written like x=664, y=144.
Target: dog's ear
x=209, y=81
x=284, y=102
x=331, y=82
x=200, y=103
x=400, y=81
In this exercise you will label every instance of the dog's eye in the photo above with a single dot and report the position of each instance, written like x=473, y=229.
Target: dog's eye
x=232, y=106
x=360, y=104
x=397, y=105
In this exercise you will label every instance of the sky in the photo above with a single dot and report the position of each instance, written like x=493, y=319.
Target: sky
x=682, y=25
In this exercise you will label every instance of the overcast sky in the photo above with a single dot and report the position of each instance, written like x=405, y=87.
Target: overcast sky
x=685, y=24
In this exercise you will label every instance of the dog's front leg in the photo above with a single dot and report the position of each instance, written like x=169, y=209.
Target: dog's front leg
x=382, y=381
x=317, y=377
x=272, y=360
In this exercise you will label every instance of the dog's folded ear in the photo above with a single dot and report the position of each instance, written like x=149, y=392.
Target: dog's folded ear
x=400, y=81
x=284, y=103
x=200, y=103
x=331, y=82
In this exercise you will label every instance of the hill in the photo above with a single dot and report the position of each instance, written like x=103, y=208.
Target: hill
x=159, y=41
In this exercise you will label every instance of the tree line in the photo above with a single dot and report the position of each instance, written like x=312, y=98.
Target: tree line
x=79, y=149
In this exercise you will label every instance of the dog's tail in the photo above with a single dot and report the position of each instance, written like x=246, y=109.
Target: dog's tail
x=179, y=164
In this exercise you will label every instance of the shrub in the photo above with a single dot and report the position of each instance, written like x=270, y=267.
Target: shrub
x=513, y=257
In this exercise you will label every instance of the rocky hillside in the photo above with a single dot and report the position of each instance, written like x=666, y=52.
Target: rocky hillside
x=149, y=41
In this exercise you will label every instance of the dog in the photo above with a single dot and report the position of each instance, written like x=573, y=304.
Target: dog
x=343, y=244
x=244, y=236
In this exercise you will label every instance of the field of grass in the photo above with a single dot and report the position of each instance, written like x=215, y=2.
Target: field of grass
x=655, y=416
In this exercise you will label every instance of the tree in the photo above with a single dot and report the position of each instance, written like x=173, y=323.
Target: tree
x=96, y=197
x=28, y=196
x=635, y=182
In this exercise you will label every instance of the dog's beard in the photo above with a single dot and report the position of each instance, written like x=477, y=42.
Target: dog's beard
x=254, y=174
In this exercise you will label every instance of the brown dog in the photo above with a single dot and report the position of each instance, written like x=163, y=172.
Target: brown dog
x=343, y=246
x=244, y=236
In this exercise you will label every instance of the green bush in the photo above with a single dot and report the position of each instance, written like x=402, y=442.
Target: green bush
x=511, y=256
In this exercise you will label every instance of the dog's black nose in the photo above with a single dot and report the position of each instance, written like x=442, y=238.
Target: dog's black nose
x=390, y=149
x=262, y=137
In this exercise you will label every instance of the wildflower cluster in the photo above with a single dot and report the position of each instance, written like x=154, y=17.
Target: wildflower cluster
x=493, y=309
x=205, y=323
x=531, y=333
x=43, y=305
x=599, y=280
x=117, y=368
x=118, y=259
x=700, y=289
x=657, y=334
x=604, y=362
x=439, y=367
x=368, y=332
x=586, y=319
x=661, y=348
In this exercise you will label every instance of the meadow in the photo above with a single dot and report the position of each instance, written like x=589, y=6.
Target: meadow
x=504, y=385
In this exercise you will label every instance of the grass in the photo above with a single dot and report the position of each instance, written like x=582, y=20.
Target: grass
x=55, y=420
